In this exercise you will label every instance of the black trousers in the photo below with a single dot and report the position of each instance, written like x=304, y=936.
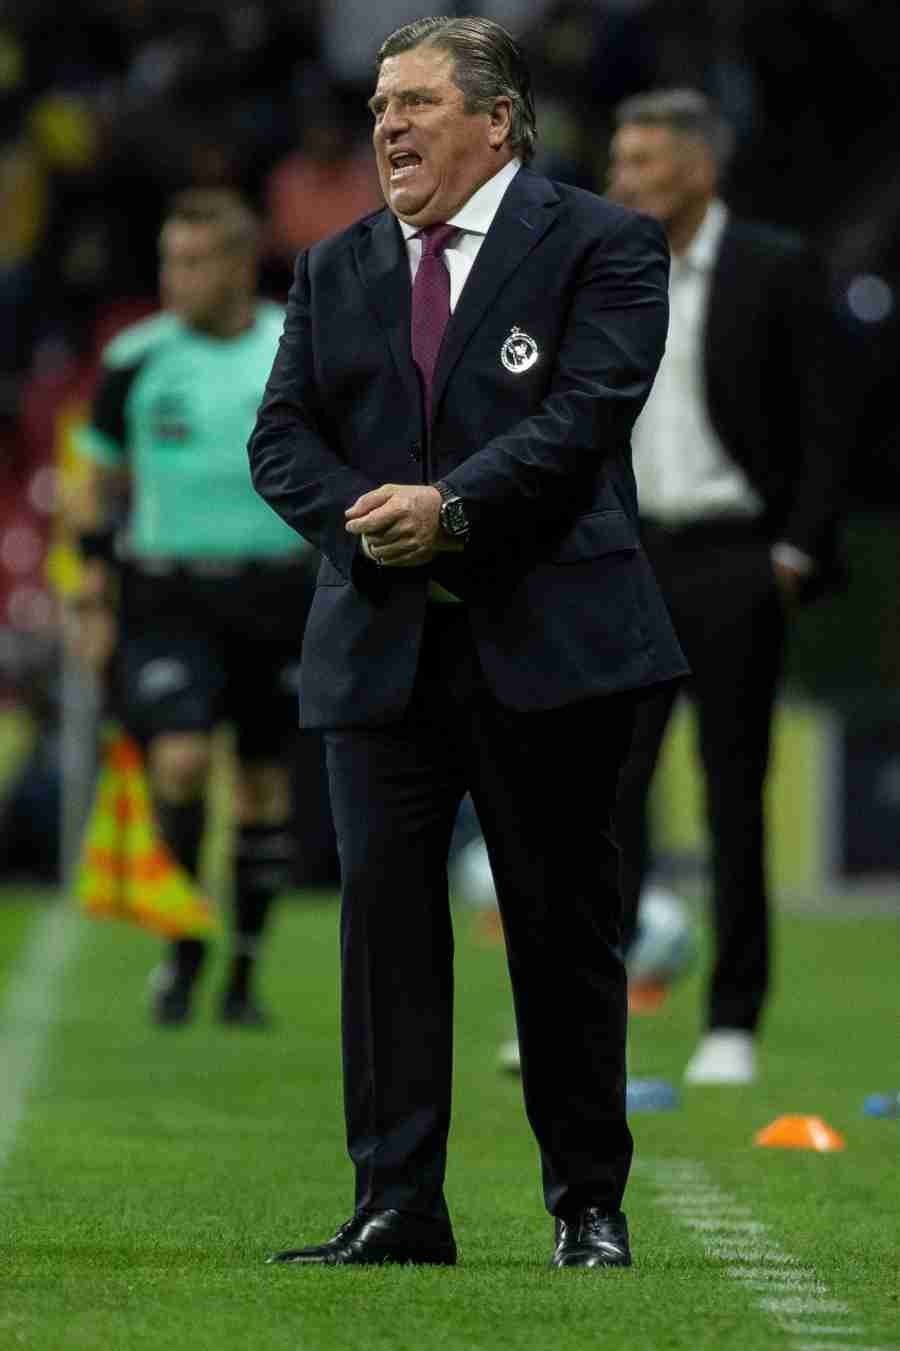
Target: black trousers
x=544, y=786
x=718, y=583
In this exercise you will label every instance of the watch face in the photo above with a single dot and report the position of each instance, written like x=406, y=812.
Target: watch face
x=453, y=517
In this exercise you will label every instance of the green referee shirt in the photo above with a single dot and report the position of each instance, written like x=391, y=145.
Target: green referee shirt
x=178, y=406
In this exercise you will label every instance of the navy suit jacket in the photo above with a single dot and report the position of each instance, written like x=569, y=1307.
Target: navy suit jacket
x=562, y=603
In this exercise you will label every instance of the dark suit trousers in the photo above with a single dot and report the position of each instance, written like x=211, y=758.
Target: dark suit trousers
x=719, y=586
x=544, y=786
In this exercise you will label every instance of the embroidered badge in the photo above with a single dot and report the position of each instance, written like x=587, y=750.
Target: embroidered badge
x=519, y=352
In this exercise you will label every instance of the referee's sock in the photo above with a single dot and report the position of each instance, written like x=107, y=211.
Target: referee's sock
x=181, y=826
x=263, y=869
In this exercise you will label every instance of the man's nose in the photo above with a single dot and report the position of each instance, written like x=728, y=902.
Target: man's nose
x=394, y=120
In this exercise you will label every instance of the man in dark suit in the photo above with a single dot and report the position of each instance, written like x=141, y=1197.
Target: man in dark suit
x=739, y=488
x=448, y=418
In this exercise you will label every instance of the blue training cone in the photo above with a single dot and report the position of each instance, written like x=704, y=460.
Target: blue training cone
x=650, y=1095
x=882, y=1104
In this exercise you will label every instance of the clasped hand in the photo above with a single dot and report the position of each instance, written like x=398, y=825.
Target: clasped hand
x=400, y=524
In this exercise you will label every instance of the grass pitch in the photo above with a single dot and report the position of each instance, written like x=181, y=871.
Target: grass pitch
x=150, y=1171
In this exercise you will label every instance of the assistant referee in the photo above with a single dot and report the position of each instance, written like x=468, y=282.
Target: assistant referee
x=213, y=593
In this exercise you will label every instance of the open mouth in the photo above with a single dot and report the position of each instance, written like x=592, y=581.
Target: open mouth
x=403, y=164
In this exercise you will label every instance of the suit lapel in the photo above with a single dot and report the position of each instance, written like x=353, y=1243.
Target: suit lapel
x=527, y=211
x=383, y=266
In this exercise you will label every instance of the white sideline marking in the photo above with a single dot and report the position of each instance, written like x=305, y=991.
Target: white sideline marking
x=822, y=1330
x=779, y=1304
x=772, y=1276
x=709, y=1215
x=28, y=1012
x=727, y=1226
x=836, y=1346
x=811, y=1289
x=786, y=1289
x=729, y=1252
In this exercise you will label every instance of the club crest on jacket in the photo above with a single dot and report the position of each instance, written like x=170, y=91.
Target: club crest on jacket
x=519, y=352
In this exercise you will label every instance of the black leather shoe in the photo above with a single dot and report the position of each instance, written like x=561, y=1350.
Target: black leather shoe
x=592, y=1238
x=376, y=1236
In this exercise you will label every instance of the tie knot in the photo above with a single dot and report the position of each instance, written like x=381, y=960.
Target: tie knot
x=435, y=239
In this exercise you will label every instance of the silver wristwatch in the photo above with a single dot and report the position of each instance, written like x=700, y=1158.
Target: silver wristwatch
x=454, y=521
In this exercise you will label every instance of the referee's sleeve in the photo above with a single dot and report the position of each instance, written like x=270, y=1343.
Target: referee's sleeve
x=103, y=438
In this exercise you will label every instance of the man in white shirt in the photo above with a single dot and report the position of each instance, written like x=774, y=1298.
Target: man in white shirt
x=739, y=493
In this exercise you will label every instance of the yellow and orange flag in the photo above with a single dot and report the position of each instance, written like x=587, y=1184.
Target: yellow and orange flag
x=126, y=871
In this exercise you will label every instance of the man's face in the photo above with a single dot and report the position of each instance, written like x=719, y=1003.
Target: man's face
x=432, y=155
x=198, y=274
x=655, y=171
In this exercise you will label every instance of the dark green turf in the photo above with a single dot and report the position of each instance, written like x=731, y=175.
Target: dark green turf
x=17, y=911
x=155, y=1169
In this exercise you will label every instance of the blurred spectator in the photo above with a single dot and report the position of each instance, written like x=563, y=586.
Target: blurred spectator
x=352, y=32
x=323, y=184
x=585, y=54
x=29, y=657
x=31, y=798
x=825, y=78
x=741, y=485
x=22, y=210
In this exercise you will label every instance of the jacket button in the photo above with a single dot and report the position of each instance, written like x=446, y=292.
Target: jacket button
x=415, y=451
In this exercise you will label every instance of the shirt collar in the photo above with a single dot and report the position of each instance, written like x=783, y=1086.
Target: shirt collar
x=703, y=248
x=477, y=215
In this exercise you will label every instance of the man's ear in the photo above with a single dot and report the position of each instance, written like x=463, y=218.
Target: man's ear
x=501, y=123
x=703, y=171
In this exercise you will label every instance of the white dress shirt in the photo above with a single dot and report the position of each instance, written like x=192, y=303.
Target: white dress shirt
x=683, y=471
x=473, y=222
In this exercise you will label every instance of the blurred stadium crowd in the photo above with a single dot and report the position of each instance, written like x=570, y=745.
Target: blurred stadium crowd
x=109, y=107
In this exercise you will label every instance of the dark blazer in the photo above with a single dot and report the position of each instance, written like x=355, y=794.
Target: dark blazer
x=770, y=354
x=562, y=603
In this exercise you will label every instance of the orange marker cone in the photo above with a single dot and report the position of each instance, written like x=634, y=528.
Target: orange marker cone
x=646, y=996
x=800, y=1132
x=489, y=926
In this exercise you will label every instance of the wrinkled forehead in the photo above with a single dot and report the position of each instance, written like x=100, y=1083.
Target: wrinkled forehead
x=425, y=66
x=656, y=139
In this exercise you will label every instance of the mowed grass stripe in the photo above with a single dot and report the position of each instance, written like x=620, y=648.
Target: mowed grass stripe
x=28, y=1006
x=158, y=1168
x=18, y=911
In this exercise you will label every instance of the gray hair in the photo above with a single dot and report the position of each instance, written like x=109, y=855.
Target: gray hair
x=686, y=112
x=489, y=65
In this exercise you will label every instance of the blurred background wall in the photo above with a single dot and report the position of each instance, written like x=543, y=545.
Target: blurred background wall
x=109, y=106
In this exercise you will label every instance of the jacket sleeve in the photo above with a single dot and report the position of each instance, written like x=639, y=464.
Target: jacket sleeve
x=820, y=484
x=605, y=365
x=292, y=464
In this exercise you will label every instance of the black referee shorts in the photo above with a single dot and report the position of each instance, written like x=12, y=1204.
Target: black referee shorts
x=206, y=644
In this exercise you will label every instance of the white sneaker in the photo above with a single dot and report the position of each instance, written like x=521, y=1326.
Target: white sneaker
x=726, y=1056
x=508, y=1056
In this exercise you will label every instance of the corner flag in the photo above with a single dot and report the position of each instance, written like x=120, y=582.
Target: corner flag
x=126, y=870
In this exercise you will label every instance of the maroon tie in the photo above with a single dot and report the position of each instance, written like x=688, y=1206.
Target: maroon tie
x=430, y=305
